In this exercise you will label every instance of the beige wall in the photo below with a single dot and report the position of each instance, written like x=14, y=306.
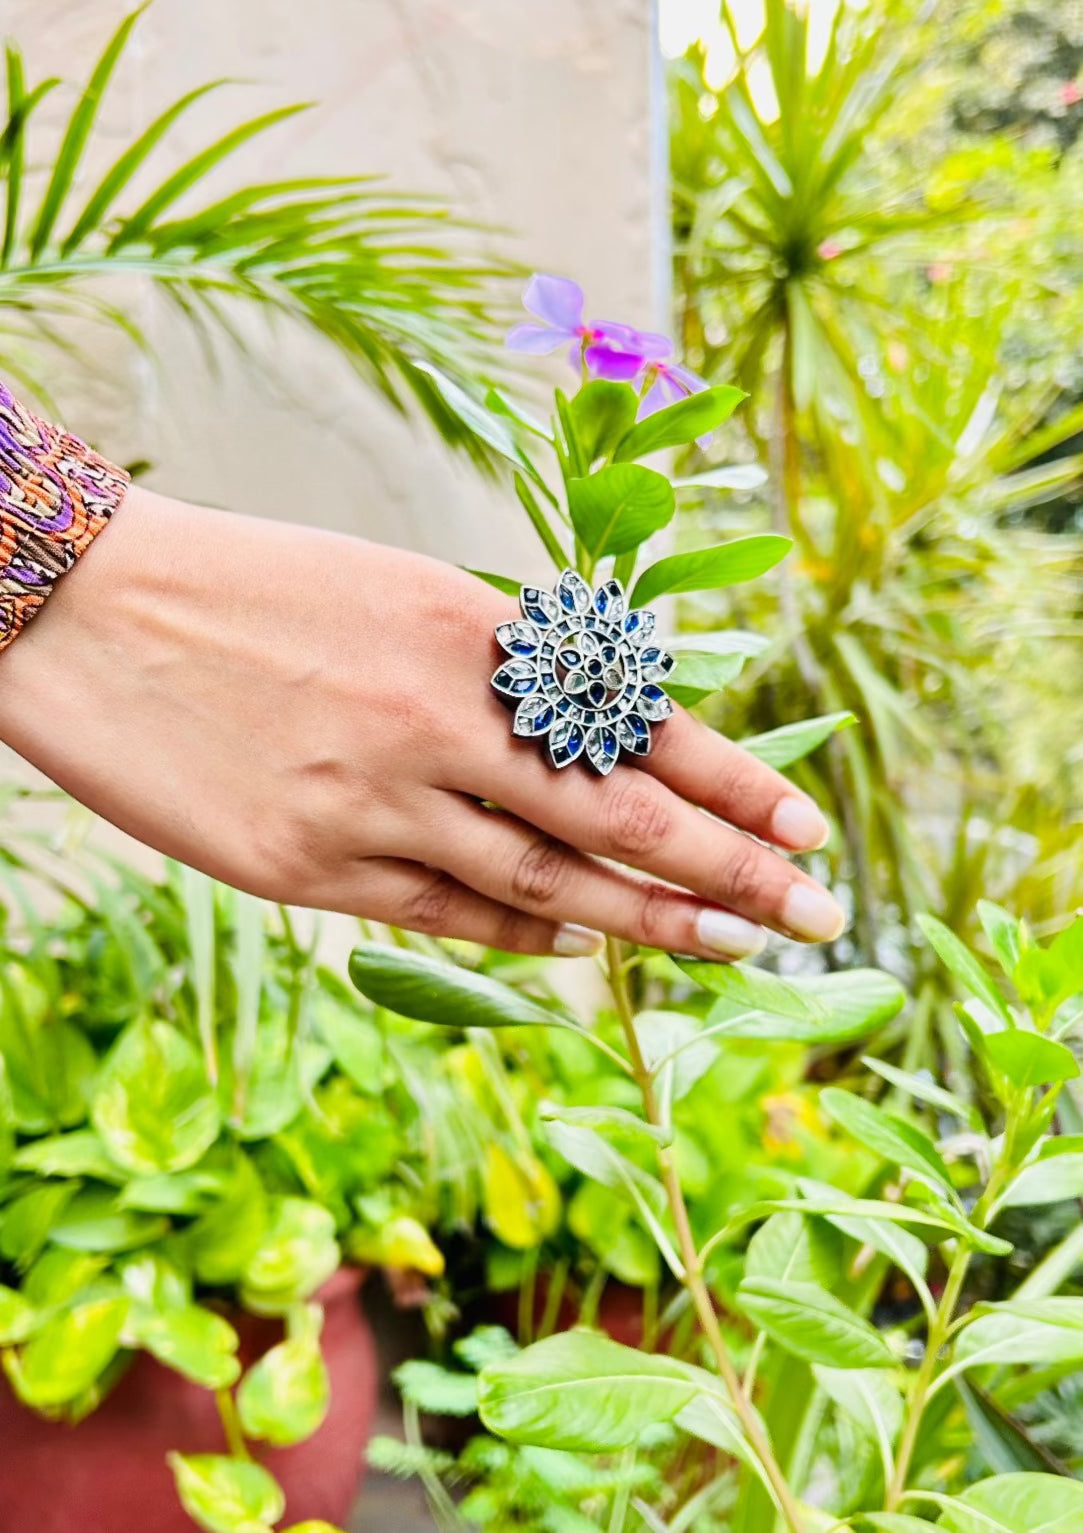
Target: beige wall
x=536, y=117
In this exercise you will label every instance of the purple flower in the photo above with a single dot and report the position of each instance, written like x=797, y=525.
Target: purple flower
x=667, y=382
x=607, y=349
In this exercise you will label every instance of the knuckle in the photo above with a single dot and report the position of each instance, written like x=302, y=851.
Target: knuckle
x=654, y=908
x=743, y=879
x=539, y=872
x=428, y=910
x=511, y=933
x=638, y=821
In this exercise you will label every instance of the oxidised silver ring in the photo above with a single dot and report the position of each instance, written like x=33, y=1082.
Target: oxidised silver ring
x=583, y=672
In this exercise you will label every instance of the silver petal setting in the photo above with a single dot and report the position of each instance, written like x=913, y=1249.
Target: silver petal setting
x=583, y=672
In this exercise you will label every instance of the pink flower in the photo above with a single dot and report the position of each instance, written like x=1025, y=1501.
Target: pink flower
x=829, y=251
x=1071, y=92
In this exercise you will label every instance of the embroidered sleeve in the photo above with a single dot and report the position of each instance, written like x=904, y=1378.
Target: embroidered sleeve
x=56, y=495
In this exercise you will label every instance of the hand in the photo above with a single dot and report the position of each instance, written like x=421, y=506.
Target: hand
x=308, y=717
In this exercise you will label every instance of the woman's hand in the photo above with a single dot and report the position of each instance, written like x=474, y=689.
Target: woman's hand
x=308, y=717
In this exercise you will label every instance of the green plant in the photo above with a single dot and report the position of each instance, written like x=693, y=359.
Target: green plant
x=195, y=1116
x=386, y=279
x=900, y=303
x=819, y=1420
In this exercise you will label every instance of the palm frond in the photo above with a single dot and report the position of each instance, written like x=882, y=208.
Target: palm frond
x=397, y=284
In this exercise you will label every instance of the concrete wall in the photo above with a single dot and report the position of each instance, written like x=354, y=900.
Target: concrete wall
x=538, y=118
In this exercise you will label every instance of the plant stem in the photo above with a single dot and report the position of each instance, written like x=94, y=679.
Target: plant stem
x=940, y=1329
x=693, y=1270
x=231, y=1425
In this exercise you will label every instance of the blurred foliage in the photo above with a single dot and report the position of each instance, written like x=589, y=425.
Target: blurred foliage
x=901, y=298
x=394, y=283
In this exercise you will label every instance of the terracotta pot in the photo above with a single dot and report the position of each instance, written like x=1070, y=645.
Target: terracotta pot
x=108, y=1474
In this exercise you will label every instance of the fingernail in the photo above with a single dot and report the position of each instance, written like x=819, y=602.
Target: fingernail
x=573, y=941
x=812, y=913
x=730, y=935
x=797, y=822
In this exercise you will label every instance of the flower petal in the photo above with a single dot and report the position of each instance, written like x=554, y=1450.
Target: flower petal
x=646, y=343
x=555, y=300
x=639, y=625
x=534, y=716
x=518, y=638
x=634, y=734
x=618, y=366
x=602, y=749
x=566, y=742
x=656, y=398
x=609, y=600
x=537, y=340
x=573, y=593
x=686, y=382
x=516, y=679
x=539, y=607
x=654, y=704
x=655, y=664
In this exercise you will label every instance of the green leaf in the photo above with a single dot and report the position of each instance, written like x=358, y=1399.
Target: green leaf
x=582, y=1392
x=225, y=1239
x=1016, y=1503
x=811, y=1323
x=7, y=1119
x=1028, y=1059
x=872, y=1400
x=892, y=1522
x=923, y=1090
x=154, y=1107
x=600, y=414
x=226, y=1495
x=298, y=1252
x=617, y=1119
x=65, y=1356
x=430, y=990
x=674, y=1050
x=596, y=1158
x=190, y=1340
x=492, y=429
x=701, y=672
x=95, y=1221
x=1054, y=1177
x=965, y=967
x=741, y=988
x=78, y=130
x=357, y=1045
x=1003, y=1442
x=80, y=1153
x=788, y=1248
x=437, y=1390
x=285, y=1397
x=1023, y=1331
x=680, y=423
x=848, y=1006
x=780, y=748
x=27, y=1222
x=619, y=507
x=17, y=1317
x=890, y=1137
x=122, y=171
x=499, y=582
x=710, y=569
x=1005, y=934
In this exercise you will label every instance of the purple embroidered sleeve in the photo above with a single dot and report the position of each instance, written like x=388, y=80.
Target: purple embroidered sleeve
x=56, y=495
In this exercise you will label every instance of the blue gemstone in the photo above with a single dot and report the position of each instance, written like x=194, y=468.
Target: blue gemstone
x=523, y=686
x=563, y=705
x=632, y=623
x=543, y=720
x=597, y=693
x=594, y=667
x=649, y=656
x=652, y=693
x=609, y=742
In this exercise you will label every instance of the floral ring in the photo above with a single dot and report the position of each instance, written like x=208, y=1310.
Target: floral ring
x=583, y=672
